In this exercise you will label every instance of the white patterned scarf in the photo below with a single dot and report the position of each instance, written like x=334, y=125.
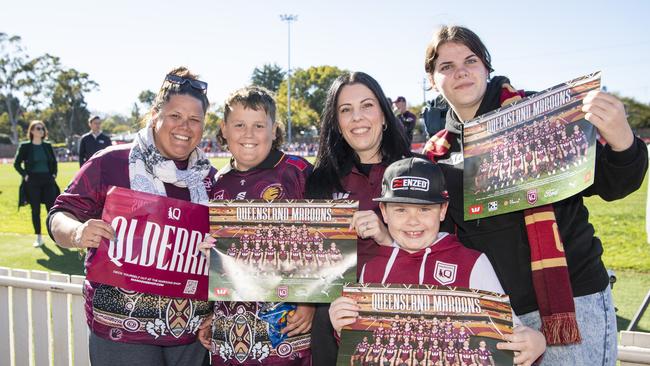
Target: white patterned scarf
x=149, y=170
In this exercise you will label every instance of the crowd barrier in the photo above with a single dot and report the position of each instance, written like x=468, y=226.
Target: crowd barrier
x=42, y=319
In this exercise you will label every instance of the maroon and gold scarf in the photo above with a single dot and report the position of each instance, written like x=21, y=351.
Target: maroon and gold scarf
x=548, y=263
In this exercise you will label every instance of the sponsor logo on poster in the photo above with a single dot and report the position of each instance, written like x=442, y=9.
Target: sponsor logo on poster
x=282, y=291
x=445, y=273
x=493, y=206
x=550, y=193
x=220, y=291
x=475, y=209
x=531, y=196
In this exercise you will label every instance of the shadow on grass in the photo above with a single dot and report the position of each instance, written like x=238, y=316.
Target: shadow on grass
x=69, y=261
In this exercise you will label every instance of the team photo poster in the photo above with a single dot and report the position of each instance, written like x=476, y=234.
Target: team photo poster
x=284, y=250
x=156, y=246
x=425, y=325
x=533, y=152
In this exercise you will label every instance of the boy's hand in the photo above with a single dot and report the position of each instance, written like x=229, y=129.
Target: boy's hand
x=204, y=333
x=368, y=225
x=343, y=311
x=527, y=343
x=300, y=321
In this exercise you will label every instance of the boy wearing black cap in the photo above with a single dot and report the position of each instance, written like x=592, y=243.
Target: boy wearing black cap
x=414, y=201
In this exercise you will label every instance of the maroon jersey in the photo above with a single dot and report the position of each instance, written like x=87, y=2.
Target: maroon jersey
x=232, y=252
x=362, y=348
x=450, y=354
x=395, y=265
x=321, y=255
x=375, y=349
x=270, y=254
x=279, y=176
x=483, y=356
x=390, y=351
x=238, y=327
x=363, y=188
x=465, y=355
x=419, y=353
x=404, y=351
x=435, y=354
x=283, y=254
x=111, y=313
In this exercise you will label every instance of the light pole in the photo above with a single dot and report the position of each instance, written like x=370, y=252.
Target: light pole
x=288, y=18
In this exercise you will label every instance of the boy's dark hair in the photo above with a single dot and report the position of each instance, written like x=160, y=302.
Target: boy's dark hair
x=456, y=34
x=335, y=155
x=253, y=97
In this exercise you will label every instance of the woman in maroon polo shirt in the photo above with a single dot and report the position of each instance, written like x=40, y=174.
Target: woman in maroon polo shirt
x=360, y=137
x=127, y=327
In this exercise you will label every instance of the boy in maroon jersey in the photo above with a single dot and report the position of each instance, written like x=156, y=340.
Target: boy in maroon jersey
x=413, y=203
x=257, y=170
x=451, y=355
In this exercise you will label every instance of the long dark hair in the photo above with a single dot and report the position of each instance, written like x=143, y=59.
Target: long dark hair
x=335, y=155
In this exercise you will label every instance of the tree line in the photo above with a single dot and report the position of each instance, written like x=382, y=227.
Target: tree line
x=43, y=88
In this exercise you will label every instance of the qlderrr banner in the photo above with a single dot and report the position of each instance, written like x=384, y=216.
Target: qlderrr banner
x=536, y=151
x=425, y=325
x=156, y=246
x=283, y=250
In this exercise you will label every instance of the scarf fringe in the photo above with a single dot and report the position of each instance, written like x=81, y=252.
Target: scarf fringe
x=561, y=328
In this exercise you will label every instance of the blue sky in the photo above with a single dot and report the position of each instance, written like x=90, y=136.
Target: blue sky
x=127, y=46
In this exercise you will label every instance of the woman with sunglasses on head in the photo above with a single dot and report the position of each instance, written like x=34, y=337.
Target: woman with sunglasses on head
x=565, y=291
x=36, y=163
x=360, y=136
x=129, y=328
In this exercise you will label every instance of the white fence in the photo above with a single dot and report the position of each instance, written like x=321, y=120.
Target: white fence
x=42, y=319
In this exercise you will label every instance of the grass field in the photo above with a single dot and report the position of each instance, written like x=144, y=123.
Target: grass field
x=619, y=224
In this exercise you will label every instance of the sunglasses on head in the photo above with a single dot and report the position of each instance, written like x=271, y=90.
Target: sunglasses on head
x=196, y=84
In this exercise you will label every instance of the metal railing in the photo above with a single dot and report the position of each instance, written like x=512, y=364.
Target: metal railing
x=42, y=319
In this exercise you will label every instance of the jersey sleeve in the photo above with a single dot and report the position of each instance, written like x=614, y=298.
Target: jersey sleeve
x=483, y=276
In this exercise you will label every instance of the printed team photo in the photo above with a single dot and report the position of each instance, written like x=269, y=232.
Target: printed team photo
x=425, y=325
x=281, y=250
x=534, y=152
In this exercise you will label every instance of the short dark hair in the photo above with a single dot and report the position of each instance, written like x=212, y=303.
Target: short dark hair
x=334, y=153
x=253, y=97
x=456, y=34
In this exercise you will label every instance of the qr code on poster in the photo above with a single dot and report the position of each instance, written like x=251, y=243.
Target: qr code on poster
x=190, y=287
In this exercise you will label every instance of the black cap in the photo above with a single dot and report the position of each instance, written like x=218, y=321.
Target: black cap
x=413, y=180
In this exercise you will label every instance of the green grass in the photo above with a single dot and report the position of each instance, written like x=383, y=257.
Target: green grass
x=619, y=224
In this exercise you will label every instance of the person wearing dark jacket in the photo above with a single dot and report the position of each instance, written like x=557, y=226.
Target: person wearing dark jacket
x=36, y=163
x=576, y=314
x=93, y=141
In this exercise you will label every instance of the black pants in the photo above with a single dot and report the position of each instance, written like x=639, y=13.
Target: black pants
x=40, y=188
x=323, y=344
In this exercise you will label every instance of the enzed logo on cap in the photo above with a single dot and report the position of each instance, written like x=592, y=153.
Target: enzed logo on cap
x=417, y=183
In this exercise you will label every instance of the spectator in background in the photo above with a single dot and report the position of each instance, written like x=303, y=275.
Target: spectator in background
x=407, y=118
x=36, y=163
x=93, y=141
